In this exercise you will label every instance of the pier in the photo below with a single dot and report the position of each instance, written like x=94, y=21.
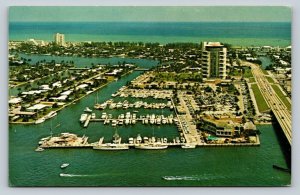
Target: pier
x=86, y=123
x=136, y=145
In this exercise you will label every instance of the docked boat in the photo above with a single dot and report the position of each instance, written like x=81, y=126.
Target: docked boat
x=83, y=118
x=188, y=146
x=104, y=115
x=40, y=120
x=114, y=123
x=87, y=109
x=151, y=146
x=121, y=122
x=93, y=116
x=64, y=165
x=111, y=146
x=50, y=115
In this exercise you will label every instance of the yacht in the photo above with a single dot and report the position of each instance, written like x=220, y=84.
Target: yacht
x=114, y=123
x=188, y=146
x=87, y=109
x=104, y=115
x=39, y=149
x=64, y=165
x=151, y=146
x=83, y=118
x=111, y=146
x=93, y=116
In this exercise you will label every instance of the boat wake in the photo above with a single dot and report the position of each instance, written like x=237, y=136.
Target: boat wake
x=73, y=175
x=185, y=178
x=188, y=178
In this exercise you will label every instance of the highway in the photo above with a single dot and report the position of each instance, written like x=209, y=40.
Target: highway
x=281, y=112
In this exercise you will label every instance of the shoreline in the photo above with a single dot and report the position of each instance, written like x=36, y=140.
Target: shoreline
x=68, y=104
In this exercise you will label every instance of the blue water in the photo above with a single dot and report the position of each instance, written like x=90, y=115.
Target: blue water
x=213, y=166
x=239, y=33
x=228, y=166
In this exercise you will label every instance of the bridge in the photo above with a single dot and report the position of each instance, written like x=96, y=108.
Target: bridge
x=281, y=112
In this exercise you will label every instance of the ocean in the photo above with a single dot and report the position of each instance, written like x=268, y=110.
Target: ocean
x=235, y=33
x=212, y=166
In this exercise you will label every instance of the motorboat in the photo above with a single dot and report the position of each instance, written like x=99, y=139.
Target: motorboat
x=83, y=118
x=152, y=146
x=93, y=116
x=188, y=146
x=87, y=109
x=64, y=165
x=39, y=149
x=111, y=146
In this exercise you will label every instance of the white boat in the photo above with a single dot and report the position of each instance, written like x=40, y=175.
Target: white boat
x=93, y=116
x=114, y=123
x=51, y=114
x=188, y=146
x=111, y=146
x=40, y=120
x=87, y=109
x=152, y=146
x=121, y=122
x=152, y=121
x=64, y=165
x=130, y=140
x=39, y=149
x=133, y=121
x=146, y=121
x=158, y=121
x=112, y=105
x=83, y=118
x=104, y=115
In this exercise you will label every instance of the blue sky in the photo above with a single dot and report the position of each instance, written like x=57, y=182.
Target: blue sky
x=156, y=14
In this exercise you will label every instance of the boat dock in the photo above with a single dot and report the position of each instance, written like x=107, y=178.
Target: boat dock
x=68, y=140
x=86, y=123
x=128, y=119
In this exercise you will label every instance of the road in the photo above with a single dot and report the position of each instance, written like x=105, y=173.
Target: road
x=281, y=112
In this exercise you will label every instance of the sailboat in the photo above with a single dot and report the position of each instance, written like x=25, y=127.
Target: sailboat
x=152, y=144
x=116, y=145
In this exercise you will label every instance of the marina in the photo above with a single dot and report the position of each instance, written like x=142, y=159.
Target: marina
x=68, y=140
x=147, y=103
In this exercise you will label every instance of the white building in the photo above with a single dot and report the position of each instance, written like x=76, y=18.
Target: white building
x=60, y=39
x=213, y=60
x=36, y=42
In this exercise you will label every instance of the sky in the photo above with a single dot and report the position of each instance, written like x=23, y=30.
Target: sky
x=150, y=14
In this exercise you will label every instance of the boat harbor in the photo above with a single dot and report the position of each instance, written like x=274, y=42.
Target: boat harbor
x=128, y=119
x=69, y=140
x=138, y=104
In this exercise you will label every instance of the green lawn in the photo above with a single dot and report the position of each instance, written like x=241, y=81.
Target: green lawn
x=270, y=80
x=282, y=96
x=265, y=72
x=252, y=80
x=261, y=103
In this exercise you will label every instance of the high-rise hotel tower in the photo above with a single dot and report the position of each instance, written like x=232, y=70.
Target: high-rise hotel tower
x=60, y=39
x=213, y=60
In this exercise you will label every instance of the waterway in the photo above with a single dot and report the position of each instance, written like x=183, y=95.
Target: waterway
x=265, y=61
x=213, y=166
